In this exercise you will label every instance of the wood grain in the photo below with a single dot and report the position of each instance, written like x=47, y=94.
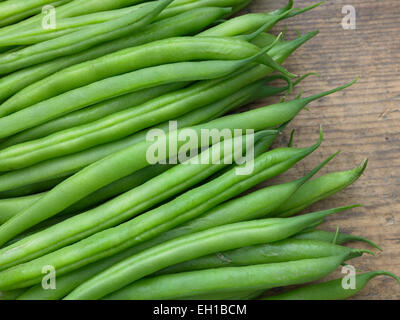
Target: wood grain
x=362, y=121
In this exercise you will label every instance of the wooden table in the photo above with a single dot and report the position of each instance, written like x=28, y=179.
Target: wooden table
x=363, y=121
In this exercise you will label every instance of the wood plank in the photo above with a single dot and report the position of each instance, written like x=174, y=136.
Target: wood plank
x=362, y=121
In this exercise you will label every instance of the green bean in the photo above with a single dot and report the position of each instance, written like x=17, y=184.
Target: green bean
x=172, y=11
x=281, y=251
x=35, y=39
x=336, y=237
x=186, y=23
x=190, y=247
x=130, y=204
x=331, y=290
x=64, y=167
x=10, y=207
x=264, y=276
x=249, y=22
x=28, y=13
x=34, y=188
x=63, y=26
x=83, y=39
x=156, y=53
x=7, y=49
x=318, y=189
x=111, y=87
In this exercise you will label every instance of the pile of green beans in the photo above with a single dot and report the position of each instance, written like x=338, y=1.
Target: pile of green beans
x=94, y=176
x=79, y=106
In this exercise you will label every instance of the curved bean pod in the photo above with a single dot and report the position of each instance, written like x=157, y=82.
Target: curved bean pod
x=318, y=189
x=244, y=24
x=11, y=295
x=190, y=247
x=10, y=207
x=331, y=290
x=186, y=23
x=243, y=295
x=177, y=9
x=337, y=237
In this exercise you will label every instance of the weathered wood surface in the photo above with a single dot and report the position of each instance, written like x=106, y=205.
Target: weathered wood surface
x=363, y=121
